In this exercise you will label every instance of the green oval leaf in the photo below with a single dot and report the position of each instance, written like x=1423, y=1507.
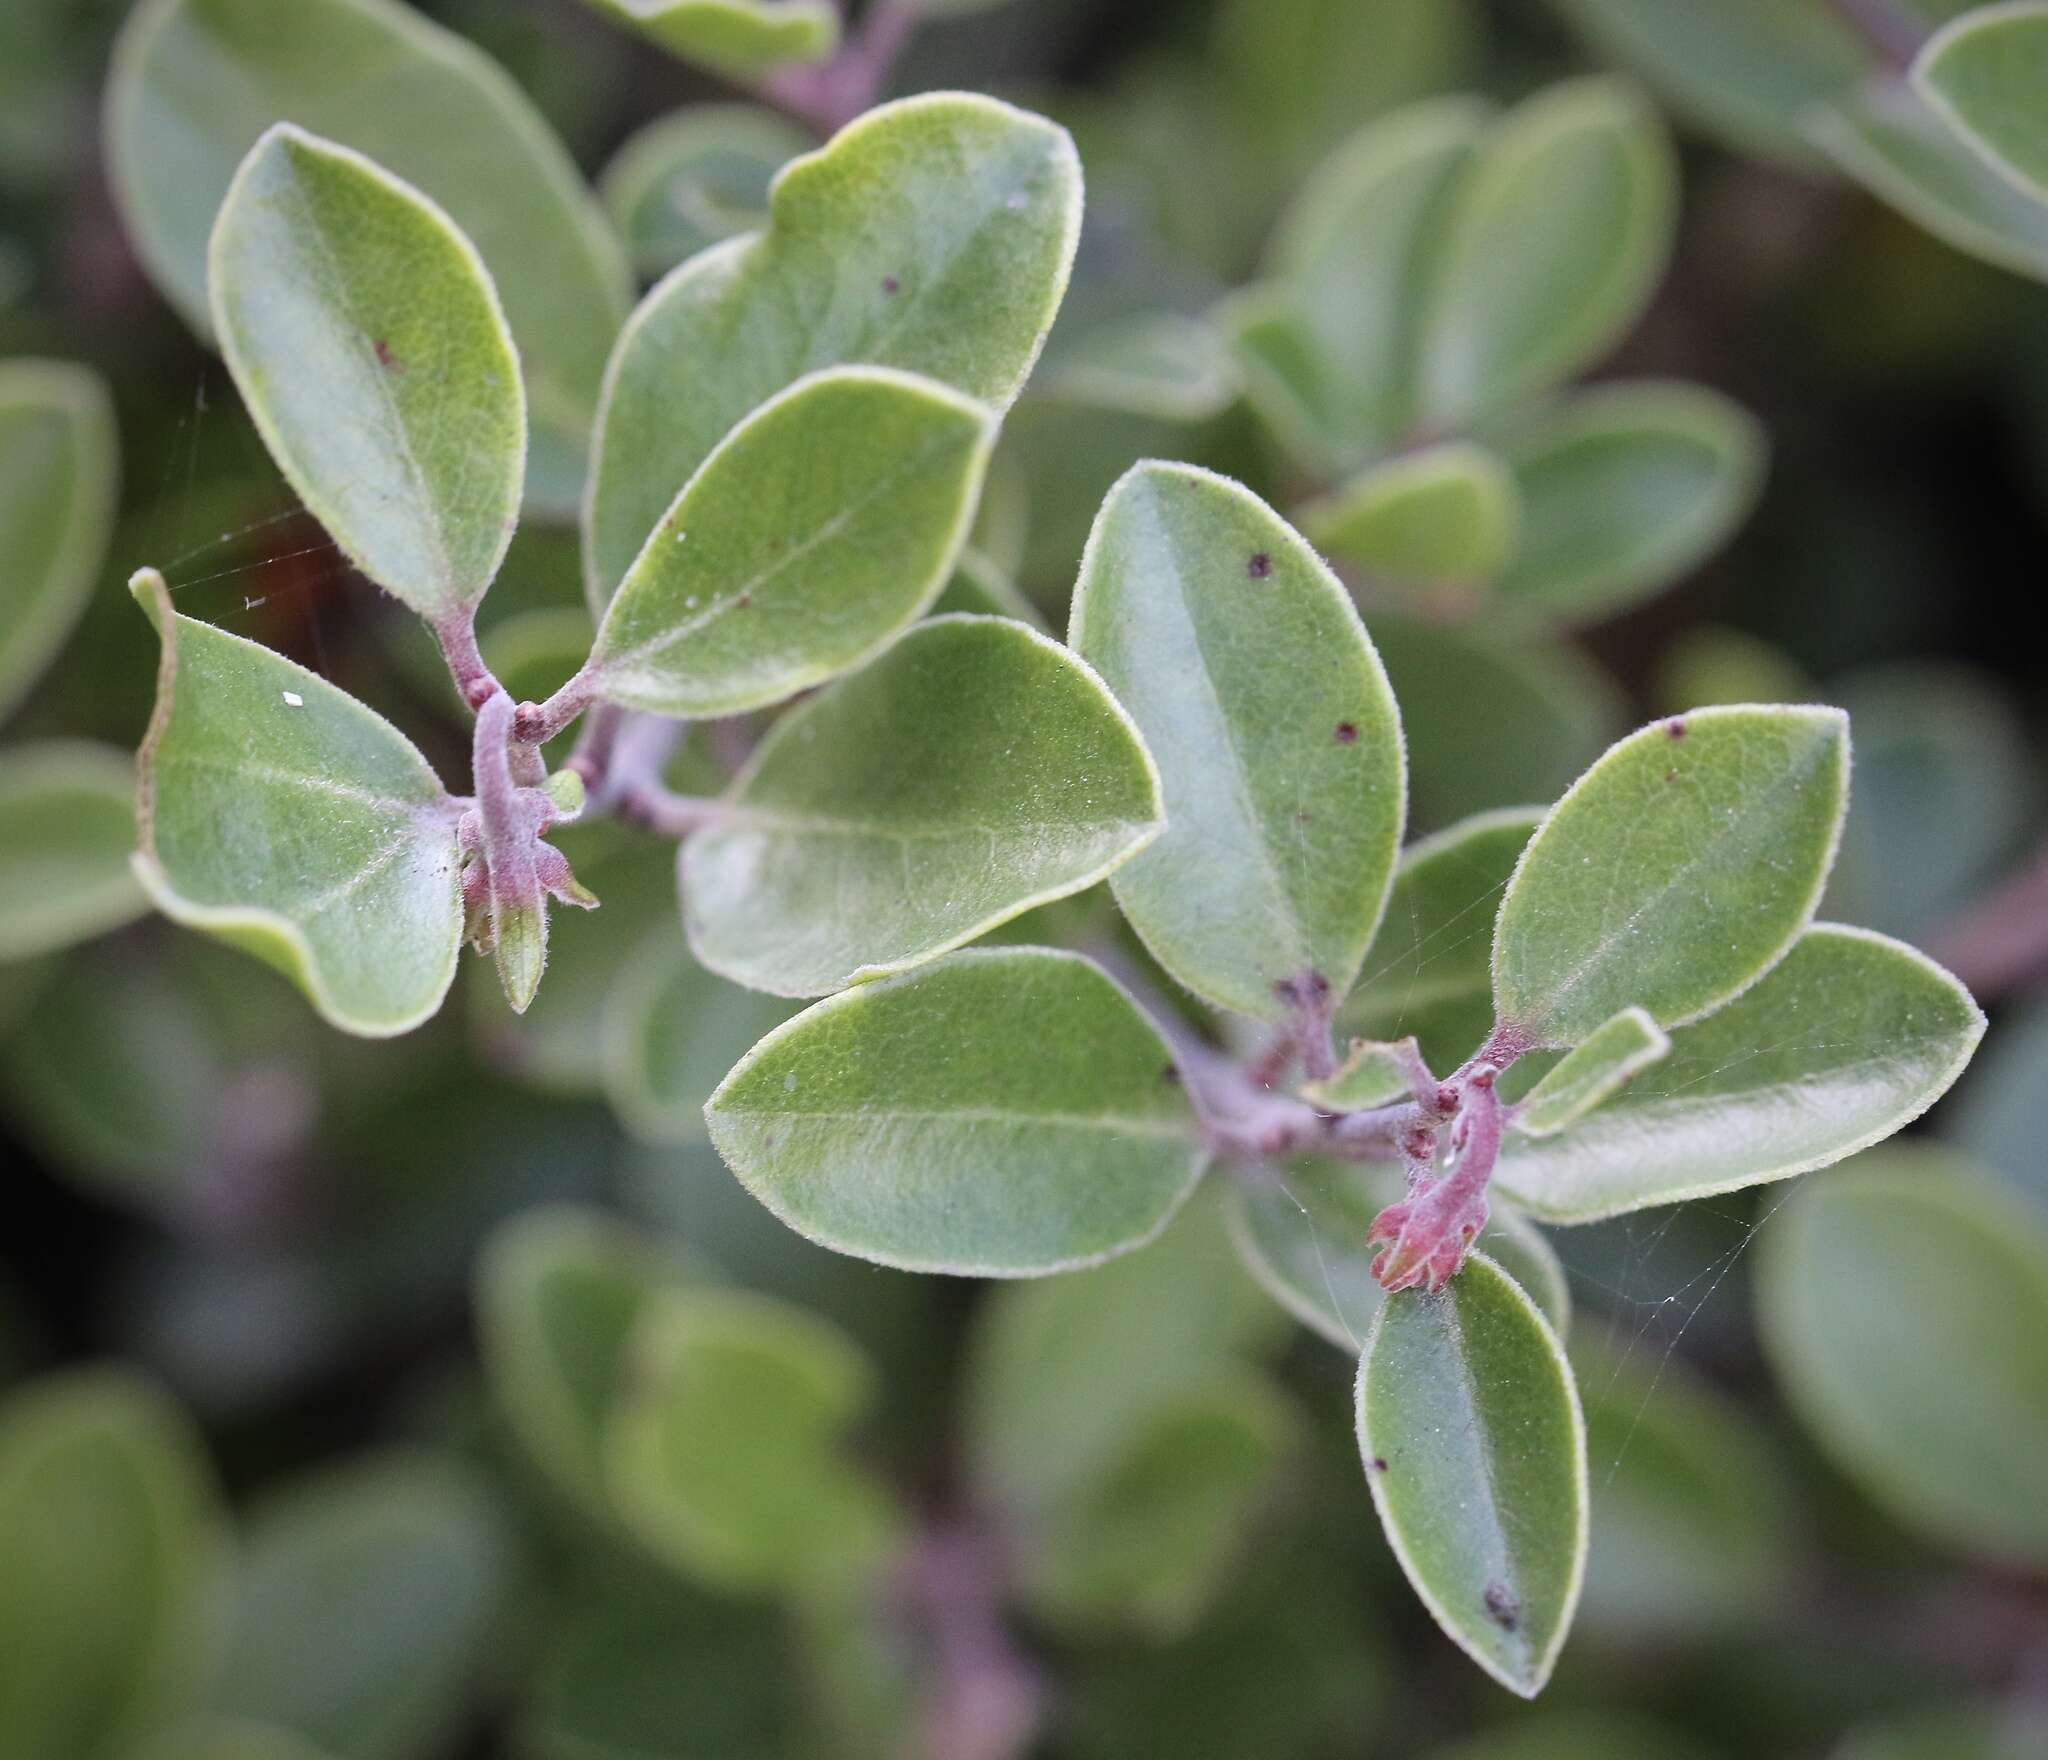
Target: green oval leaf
x=1559, y=235
x=1675, y=872
x=1849, y=1038
x=196, y=82
x=982, y=589
x=59, y=466
x=934, y=235
x=741, y=39
x=687, y=181
x=282, y=816
x=1904, y=1306
x=400, y=1564
x=1003, y=1113
x=1594, y=1072
x=368, y=342
x=825, y=522
x=1161, y=365
x=1301, y=1230
x=725, y=1450
x=975, y=771
x=1626, y=489
x=1986, y=72
x=111, y=1530
x=67, y=830
x=1245, y=666
x=1469, y=1424
x=1443, y=519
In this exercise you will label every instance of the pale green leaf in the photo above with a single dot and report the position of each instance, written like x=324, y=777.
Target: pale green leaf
x=1987, y=72
x=368, y=342
x=67, y=830
x=691, y=179
x=1904, y=1306
x=1624, y=490
x=1372, y=1072
x=282, y=816
x=1002, y=1113
x=1560, y=233
x=933, y=235
x=725, y=1450
x=195, y=82
x=1593, y=1073
x=825, y=522
x=741, y=39
x=366, y=1602
x=1710, y=663
x=1892, y=142
x=59, y=465
x=1302, y=1229
x=1444, y=519
x=976, y=770
x=982, y=589
x=1675, y=872
x=110, y=1525
x=1159, y=364
x=1469, y=1425
x=1244, y=664
x=1848, y=1039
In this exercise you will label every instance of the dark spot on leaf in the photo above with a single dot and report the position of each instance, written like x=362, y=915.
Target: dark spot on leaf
x=743, y=601
x=1260, y=565
x=891, y=285
x=1309, y=989
x=1347, y=733
x=1502, y=1606
x=1379, y=1463
x=1675, y=727
x=385, y=358
x=1170, y=1075
x=1671, y=776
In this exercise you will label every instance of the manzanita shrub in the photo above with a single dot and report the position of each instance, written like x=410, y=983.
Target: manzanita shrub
x=1103, y=962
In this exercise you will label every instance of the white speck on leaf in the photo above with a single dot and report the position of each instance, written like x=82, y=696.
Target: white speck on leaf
x=294, y=699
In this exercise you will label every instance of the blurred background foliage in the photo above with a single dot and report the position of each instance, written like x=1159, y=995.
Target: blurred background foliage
x=449, y=1398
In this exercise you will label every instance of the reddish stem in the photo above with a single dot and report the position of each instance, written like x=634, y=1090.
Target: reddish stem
x=456, y=632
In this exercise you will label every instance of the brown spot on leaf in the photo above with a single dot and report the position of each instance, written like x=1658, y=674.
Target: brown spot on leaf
x=1671, y=776
x=385, y=358
x=1170, y=1075
x=1675, y=727
x=1379, y=1463
x=1347, y=733
x=891, y=285
x=1503, y=1607
x=1259, y=566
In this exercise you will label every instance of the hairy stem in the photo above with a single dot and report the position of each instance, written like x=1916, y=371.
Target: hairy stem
x=985, y=1699
x=828, y=98
x=537, y=723
x=456, y=632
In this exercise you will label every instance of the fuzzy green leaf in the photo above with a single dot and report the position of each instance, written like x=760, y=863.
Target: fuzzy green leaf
x=1444, y=518
x=1849, y=1038
x=1624, y=490
x=741, y=39
x=1987, y=72
x=281, y=815
x=110, y=1526
x=67, y=830
x=1560, y=233
x=1675, y=872
x=689, y=180
x=59, y=464
x=1593, y=1073
x=982, y=589
x=724, y=1451
x=195, y=82
x=1244, y=664
x=1302, y=1228
x=1003, y=1113
x=1469, y=1425
x=976, y=770
x=368, y=342
x=824, y=523
x=933, y=235
x=1904, y=1305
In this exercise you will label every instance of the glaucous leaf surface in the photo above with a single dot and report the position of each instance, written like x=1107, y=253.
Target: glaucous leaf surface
x=933, y=235
x=369, y=345
x=59, y=465
x=1244, y=664
x=976, y=770
x=1560, y=232
x=1675, y=872
x=279, y=814
x=725, y=1451
x=1444, y=518
x=110, y=1525
x=1904, y=1305
x=1985, y=72
x=825, y=522
x=1891, y=141
x=67, y=830
x=741, y=39
x=1848, y=1039
x=1302, y=1229
x=195, y=82
x=1001, y=1113
x=2002, y=1118
x=365, y=1604
x=1592, y=1073
x=1469, y=1425
x=691, y=179
x=1623, y=490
